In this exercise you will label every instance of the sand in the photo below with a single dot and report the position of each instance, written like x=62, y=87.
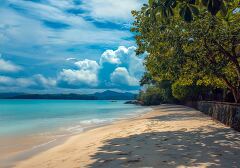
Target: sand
x=170, y=136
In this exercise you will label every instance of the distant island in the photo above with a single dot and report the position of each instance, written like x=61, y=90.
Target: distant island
x=106, y=95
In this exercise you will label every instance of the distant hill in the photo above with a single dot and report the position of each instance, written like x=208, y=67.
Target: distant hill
x=111, y=95
x=9, y=95
x=106, y=95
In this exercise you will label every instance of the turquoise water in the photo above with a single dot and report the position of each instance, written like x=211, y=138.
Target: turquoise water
x=29, y=117
x=30, y=126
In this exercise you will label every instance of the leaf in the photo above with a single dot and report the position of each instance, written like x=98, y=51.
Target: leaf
x=182, y=12
x=174, y=4
x=186, y=13
x=205, y=2
x=214, y=6
x=170, y=3
x=224, y=10
x=147, y=13
x=170, y=12
x=192, y=1
x=150, y=2
x=164, y=13
x=194, y=9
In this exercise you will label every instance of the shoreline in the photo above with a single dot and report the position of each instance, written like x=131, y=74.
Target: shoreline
x=28, y=153
x=170, y=135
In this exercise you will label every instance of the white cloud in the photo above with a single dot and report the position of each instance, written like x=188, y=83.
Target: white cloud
x=87, y=74
x=52, y=11
x=32, y=38
x=118, y=56
x=124, y=56
x=37, y=81
x=79, y=77
x=111, y=10
x=125, y=69
x=5, y=80
x=8, y=66
x=119, y=68
x=109, y=56
x=87, y=65
x=44, y=82
x=19, y=82
x=120, y=76
x=71, y=59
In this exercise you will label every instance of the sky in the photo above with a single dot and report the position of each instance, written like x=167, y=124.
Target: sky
x=57, y=46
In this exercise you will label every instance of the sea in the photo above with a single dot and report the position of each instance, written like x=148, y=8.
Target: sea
x=31, y=125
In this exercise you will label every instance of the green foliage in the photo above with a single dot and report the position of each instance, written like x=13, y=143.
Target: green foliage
x=166, y=91
x=179, y=91
x=152, y=96
x=202, y=52
x=159, y=93
x=185, y=92
x=186, y=8
x=147, y=79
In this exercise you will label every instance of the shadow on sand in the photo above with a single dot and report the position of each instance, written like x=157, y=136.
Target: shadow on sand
x=219, y=147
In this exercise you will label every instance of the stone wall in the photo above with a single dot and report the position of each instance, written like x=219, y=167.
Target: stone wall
x=227, y=113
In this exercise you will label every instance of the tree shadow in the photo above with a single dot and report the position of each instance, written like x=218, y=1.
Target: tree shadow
x=179, y=117
x=219, y=147
x=178, y=113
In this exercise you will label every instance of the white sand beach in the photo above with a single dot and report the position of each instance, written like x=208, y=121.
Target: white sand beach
x=170, y=136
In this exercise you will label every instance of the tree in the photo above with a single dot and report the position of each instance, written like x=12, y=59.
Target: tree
x=202, y=52
x=152, y=96
x=187, y=8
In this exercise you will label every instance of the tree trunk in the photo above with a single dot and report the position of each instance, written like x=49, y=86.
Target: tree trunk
x=234, y=89
x=236, y=95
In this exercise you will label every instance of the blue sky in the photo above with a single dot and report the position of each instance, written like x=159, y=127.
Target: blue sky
x=68, y=46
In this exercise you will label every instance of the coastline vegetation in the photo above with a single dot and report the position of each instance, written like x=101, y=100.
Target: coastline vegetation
x=192, y=48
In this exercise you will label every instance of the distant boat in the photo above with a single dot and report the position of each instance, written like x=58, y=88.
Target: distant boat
x=113, y=100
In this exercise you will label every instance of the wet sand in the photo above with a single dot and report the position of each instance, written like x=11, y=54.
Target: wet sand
x=169, y=136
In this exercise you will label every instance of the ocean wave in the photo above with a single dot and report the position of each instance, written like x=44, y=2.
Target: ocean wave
x=85, y=124
x=95, y=121
x=43, y=144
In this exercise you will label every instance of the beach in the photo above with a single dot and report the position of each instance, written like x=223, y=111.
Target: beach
x=28, y=127
x=169, y=136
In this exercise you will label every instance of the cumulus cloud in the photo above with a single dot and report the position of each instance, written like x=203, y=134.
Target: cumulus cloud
x=109, y=56
x=114, y=57
x=7, y=66
x=85, y=75
x=87, y=64
x=120, y=76
x=116, y=68
x=126, y=57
